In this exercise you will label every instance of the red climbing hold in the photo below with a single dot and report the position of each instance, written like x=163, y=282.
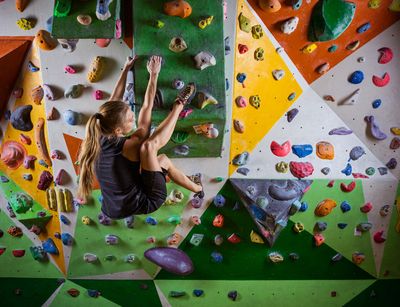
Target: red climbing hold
x=386, y=55
x=218, y=221
x=280, y=150
x=348, y=188
x=331, y=183
x=318, y=239
x=379, y=237
x=301, y=169
x=234, y=238
x=359, y=175
x=242, y=48
x=381, y=82
x=366, y=208
x=18, y=252
x=2, y=250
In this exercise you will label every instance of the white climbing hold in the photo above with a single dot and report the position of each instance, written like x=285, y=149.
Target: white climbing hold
x=278, y=74
x=290, y=25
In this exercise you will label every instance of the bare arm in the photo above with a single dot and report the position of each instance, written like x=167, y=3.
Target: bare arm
x=119, y=88
x=144, y=118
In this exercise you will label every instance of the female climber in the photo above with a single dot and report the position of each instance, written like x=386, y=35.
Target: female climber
x=131, y=173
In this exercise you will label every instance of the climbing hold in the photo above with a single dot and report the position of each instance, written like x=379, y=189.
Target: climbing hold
x=48, y=92
x=218, y=221
x=196, y=239
x=275, y=257
x=219, y=201
x=96, y=69
x=205, y=22
x=234, y=238
x=177, y=44
x=395, y=130
x=329, y=98
x=86, y=220
x=241, y=101
x=244, y=23
x=255, y=101
x=50, y=247
x=84, y=20
x=348, y=188
x=381, y=81
x=204, y=59
x=340, y=131
x=376, y=103
x=320, y=226
x=331, y=184
x=21, y=202
x=345, y=206
x=363, y=227
x=27, y=177
x=337, y=257
x=72, y=118
x=310, y=48
x=13, y=154
x=361, y=59
x=102, y=10
x=392, y=163
x=282, y=167
x=170, y=259
x=69, y=69
x=302, y=150
x=382, y=170
x=38, y=253
x=18, y=253
x=151, y=221
x=103, y=42
x=256, y=238
x=356, y=77
x=289, y=25
x=37, y=94
x=386, y=55
x=176, y=293
x=45, y=180
x=374, y=4
x=73, y=292
x=367, y=207
x=74, y=91
x=384, y=211
x=298, y=227
x=304, y=206
x=241, y=77
x=325, y=150
x=370, y=171
x=332, y=48
x=270, y=6
x=280, y=150
x=181, y=150
x=204, y=99
x=111, y=239
x=68, y=45
x=238, y=126
x=373, y=128
x=195, y=220
x=257, y=32
x=329, y=19
x=358, y=258
x=90, y=258
x=98, y=94
x=45, y=41
x=395, y=143
x=242, y=48
x=241, y=159
x=159, y=24
x=353, y=45
x=319, y=239
x=64, y=220
x=259, y=54
x=278, y=74
x=29, y=162
x=342, y=225
x=178, y=84
x=291, y=114
x=32, y=67
x=179, y=8
x=364, y=27
x=356, y=153
x=323, y=68
x=301, y=169
x=325, y=207
x=347, y=170
x=67, y=239
x=379, y=237
x=296, y=4
x=291, y=96
x=15, y=231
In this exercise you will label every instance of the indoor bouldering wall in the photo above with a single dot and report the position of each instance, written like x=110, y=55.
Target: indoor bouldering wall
x=302, y=198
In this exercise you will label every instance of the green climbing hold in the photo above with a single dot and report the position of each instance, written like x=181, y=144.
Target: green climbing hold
x=21, y=202
x=332, y=48
x=244, y=23
x=370, y=171
x=179, y=137
x=329, y=19
x=62, y=8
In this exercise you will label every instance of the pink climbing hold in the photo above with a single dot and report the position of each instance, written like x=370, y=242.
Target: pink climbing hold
x=386, y=55
x=301, y=169
x=98, y=95
x=280, y=150
x=13, y=154
x=381, y=81
x=103, y=42
x=69, y=69
x=359, y=175
x=379, y=237
x=366, y=208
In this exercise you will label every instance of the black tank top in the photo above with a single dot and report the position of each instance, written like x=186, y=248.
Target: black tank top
x=119, y=179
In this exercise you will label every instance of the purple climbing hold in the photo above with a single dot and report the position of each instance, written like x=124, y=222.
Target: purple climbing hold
x=356, y=77
x=104, y=219
x=233, y=295
x=219, y=201
x=291, y=114
x=340, y=131
x=4, y=179
x=21, y=118
x=243, y=170
x=196, y=202
x=373, y=127
x=170, y=259
x=382, y=170
x=392, y=163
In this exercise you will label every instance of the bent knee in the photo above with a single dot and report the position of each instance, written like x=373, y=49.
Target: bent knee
x=148, y=146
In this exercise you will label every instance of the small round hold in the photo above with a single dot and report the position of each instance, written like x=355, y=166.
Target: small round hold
x=178, y=84
x=376, y=103
x=84, y=20
x=292, y=96
x=212, y=133
x=279, y=50
x=361, y=59
x=332, y=48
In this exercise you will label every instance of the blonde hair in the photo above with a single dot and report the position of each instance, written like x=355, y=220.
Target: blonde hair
x=111, y=115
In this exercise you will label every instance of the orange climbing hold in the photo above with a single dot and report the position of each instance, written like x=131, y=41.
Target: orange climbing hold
x=20, y=5
x=325, y=207
x=318, y=239
x=218, y=221
x=45, y=41
x=270, y=6
x=325, y=151
x=178, y=8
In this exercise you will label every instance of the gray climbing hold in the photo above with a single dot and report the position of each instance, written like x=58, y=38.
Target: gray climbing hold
x=90, y=258
x=363, y=227
x=241, y=159
x=320, y=226
x=72, y=118
x=356, y=153
x=21, y=118
x=243, y=170
x=111, y=239
x=325, y=170
x=181, y=150
x=382, y=170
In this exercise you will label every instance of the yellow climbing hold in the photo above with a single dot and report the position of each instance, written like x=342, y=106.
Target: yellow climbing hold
x=96, y=69
x=256, y=238
x=395, y=6
x=353, y=45
x=309, y=48
x=374, y=4
x=395, y=130
x=205, y=22
x=24, y=24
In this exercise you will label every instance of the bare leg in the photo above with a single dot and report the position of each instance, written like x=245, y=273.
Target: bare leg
x=177, y=175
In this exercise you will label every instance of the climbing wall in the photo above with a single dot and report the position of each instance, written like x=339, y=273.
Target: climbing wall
x=260, y=234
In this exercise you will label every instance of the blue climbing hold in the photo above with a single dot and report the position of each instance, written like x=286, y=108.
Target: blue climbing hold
x=356, y=77
x=67, y=239
x=376, y=103
x=241, y=77
x=219, y=201
x=302, y=150
x=291, y=96
x=217, y=257
x=50, y=247
x=32, y=67
x=100, y=198
x=64, y=220
x=296, y=4
x=347, y=170
x=151, y=220
x=226, y=84
x=4, y=179
x=258, y=213
x=198, y=292
x=93, y=293
x=332, y=48
x=345, y=206
x=303, y=207
x=342, y=225
x=365, y=27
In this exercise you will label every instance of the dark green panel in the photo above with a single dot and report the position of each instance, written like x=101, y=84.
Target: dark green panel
x=124, y=292
x=34, y=291
x=69, y=27
x=152, y=41
x=380, y=293
x=248, y=261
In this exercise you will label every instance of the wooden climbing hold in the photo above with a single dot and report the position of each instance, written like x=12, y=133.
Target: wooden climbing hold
x=37, y=94
x=41, y=142
x=20, y=5
x=270, y=6
x=45, y=41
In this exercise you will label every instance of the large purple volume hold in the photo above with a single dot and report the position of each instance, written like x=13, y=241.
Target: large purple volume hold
x=170, y=259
